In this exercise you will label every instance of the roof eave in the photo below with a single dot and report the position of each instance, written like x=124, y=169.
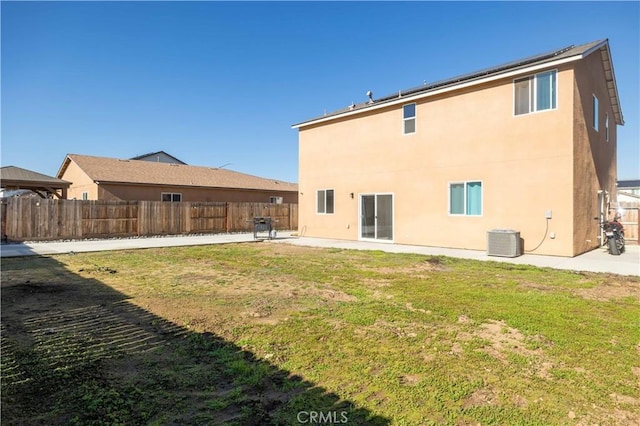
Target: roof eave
x=613, y=91
x=177, y=185
x=439, y=90
x=612, y=86
x=64, y=166
x=36, y=183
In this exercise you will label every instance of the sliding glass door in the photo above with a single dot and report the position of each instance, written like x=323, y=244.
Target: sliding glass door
x=376, y=216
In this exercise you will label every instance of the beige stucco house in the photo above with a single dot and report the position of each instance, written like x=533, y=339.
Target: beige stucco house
x=103, y=178
x=528, y=146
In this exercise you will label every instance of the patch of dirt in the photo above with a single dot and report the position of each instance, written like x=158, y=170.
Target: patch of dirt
x=504, y=340
x=611, y=290
x=624, y=399
x=431, y=264
x=463, y=319
x=409, y=379
x=457, y=349
x=481, y=397
x=519, y=401
x=614, y=417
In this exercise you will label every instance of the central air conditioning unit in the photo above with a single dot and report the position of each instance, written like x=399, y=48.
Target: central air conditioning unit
x=504, y=242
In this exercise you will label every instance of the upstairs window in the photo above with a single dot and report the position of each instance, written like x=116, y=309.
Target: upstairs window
x=409, y=119
x=596, y=105
x=606, y=127
x=172, y=196
x=325, y=201
x=535, y=93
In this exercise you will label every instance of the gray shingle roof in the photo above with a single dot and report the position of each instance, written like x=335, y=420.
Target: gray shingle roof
x=17, y=174
x=104, y=169
x=629, y=183
x=151, y=154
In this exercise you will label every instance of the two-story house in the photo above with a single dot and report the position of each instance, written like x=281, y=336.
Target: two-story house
x=529, y=146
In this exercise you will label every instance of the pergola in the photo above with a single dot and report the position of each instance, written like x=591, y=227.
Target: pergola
x=12, y=178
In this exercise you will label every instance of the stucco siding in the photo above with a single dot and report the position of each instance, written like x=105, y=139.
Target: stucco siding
x=154, y=193
x=594, y=156
x=80, y=183
x=524, y=163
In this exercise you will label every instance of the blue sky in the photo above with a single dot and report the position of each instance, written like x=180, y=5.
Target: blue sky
x=214, y=82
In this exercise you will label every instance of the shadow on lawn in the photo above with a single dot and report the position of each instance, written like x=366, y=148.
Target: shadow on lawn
x=75, y=350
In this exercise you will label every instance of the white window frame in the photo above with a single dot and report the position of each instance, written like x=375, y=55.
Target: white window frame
x=533, y=93
x=414, y=118
x=275, y=200
x=464, y=205
x=595, y=109
x=325, y=201
x=85, y=196
x=606, y=127
x=172, y=195
x=393, y=217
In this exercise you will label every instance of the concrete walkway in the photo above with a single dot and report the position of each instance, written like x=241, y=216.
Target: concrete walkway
x=60, y=247
x=597, y=260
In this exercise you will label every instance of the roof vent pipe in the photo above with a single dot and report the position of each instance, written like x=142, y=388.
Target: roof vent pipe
x=370, y=95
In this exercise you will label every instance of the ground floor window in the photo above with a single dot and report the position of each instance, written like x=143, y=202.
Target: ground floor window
x=465, y=198
x=172, y=196
x=325, y=201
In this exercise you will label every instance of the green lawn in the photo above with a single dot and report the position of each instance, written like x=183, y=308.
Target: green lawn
x=268, y=333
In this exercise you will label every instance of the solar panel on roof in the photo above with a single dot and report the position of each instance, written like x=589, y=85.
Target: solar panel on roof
x=466, y=77
x=482, y=72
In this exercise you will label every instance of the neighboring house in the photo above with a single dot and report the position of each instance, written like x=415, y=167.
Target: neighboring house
x=631, y=187
x=101, y=178
x=529, y=146
x=16, y=179
x=159, y=157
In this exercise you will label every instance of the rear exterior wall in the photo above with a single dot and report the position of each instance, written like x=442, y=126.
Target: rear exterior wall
x=525, y=164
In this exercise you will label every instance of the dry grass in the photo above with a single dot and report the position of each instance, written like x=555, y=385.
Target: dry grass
x=257, y=333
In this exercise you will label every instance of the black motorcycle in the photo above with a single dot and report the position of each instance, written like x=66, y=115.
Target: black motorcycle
x=613, y=236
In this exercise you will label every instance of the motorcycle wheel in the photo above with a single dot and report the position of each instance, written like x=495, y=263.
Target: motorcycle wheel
x=620, y=244
x=613, y=247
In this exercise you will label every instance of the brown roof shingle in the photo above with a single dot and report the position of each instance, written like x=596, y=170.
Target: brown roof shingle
x=104, y=169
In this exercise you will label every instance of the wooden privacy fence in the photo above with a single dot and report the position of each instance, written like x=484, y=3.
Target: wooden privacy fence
x=25, y=219
x=630, y=221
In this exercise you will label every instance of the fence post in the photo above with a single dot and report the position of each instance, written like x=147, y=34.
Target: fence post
x=186, y=211
x=141, y=214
